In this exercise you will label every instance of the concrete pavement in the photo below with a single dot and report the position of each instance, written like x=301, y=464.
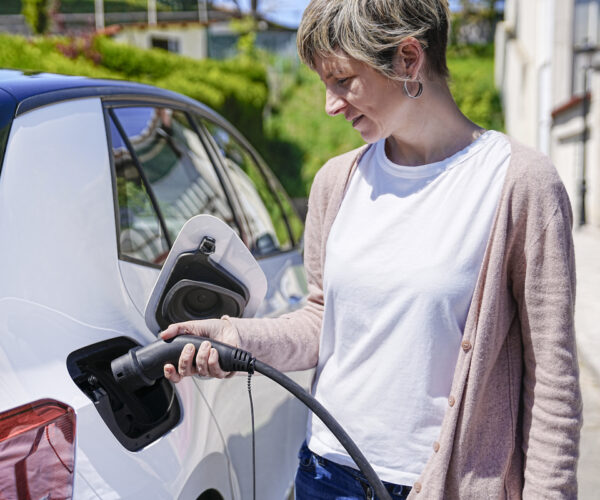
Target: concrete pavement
x=587, y=326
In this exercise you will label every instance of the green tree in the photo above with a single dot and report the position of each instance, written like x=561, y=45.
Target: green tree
x=37, y=14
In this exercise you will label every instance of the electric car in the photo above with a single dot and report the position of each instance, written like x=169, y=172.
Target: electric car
x=97, y=179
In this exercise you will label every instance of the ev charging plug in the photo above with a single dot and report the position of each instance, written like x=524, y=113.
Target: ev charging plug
x=142, y=366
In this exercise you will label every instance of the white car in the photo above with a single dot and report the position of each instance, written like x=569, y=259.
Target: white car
x=97, y=178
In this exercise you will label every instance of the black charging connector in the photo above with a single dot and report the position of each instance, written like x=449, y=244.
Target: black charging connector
x=142, y=366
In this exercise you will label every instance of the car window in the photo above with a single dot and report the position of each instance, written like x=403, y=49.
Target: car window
x=140, y=232
x=176, y=165
x=263, y=210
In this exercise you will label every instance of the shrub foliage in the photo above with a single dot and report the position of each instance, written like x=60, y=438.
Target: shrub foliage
x=235, y=88
x=36, y=14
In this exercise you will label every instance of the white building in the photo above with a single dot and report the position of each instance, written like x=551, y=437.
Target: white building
x=184, y=38
x=547, y=55
x=199, y=40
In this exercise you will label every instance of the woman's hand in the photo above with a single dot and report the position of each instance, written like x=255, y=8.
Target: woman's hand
x=207, y=358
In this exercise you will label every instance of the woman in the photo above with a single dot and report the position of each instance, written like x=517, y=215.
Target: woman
x=441, y=277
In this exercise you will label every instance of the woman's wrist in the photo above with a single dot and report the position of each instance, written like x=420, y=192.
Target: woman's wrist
x=229, y=332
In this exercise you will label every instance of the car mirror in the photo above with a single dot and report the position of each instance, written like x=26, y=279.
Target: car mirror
x=209, y=272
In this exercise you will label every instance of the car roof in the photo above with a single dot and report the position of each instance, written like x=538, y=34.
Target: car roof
x=26, y=91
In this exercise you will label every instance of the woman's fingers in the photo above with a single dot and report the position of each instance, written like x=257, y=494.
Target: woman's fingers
x=214, y=369
x=202, y=359
x=171, y=373
x=171, y=331
x=207, y=358
x=186, y=360
x=207, y=363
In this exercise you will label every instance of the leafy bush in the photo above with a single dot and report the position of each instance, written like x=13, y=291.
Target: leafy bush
x=36, y=15
x=304, y=135
x=472, y=85
x=41, y=55
x=237, y=89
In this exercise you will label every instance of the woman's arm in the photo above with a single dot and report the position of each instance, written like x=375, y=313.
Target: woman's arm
x=289, y=342
x=544, y=286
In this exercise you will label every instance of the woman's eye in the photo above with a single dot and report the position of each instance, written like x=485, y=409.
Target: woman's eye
x=343, y=81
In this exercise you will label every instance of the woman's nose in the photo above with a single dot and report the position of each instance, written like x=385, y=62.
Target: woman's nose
x=334, y=104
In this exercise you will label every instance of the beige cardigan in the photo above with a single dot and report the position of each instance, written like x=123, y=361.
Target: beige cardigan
x=511, y=428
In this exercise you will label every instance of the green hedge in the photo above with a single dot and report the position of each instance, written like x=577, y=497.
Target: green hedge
x=237, y=89
x=42, y=55
x=472, y=85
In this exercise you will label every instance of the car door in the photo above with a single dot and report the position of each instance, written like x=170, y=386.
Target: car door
x=168, y=168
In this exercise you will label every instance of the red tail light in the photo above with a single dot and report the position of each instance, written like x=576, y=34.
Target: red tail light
x=37, y=451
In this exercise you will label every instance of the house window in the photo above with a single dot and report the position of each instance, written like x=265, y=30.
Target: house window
x=165, y=43
x=586, y=26
x=586, y=39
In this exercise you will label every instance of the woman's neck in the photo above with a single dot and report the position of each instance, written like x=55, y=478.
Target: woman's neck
x=436, y=131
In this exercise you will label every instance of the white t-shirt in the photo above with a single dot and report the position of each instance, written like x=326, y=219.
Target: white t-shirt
x=402, y=260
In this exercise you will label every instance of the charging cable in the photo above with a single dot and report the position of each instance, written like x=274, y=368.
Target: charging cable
x=142, y=366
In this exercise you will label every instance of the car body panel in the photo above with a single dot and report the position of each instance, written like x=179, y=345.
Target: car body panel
x=63, y=288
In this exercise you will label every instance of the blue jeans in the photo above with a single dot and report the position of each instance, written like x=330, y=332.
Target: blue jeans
x=320, y=479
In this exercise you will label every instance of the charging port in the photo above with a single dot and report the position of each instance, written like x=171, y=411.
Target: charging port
x=136, y=418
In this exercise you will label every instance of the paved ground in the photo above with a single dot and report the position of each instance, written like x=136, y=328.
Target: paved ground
x=587, y=324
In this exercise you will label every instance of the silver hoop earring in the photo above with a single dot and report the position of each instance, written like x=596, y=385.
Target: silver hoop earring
x=419, y=90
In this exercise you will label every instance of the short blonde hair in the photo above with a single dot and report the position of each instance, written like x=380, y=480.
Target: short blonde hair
x=371, y=30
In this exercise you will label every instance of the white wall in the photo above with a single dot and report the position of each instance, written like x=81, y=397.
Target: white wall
x=191, y=39
x=534, y=70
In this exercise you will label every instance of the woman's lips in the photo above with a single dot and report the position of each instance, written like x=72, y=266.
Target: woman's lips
x=356, y=120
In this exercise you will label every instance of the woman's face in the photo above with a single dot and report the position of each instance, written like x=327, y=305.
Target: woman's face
x=366, y=98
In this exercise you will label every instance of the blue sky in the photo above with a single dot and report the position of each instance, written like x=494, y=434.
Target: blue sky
x=287, y=12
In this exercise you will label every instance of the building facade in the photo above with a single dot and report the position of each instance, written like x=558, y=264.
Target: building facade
x=548, y=71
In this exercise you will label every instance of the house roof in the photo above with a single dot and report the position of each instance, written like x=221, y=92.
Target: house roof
x=574, y=102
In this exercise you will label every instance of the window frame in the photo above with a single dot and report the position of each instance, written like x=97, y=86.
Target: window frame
x=7, y=112
x=270, y=179
x=111, y=103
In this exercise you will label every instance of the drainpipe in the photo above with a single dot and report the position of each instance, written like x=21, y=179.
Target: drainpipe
x=589, y=50
x=584, y=137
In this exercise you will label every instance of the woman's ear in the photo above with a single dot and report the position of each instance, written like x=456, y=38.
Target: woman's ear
x=409, y=58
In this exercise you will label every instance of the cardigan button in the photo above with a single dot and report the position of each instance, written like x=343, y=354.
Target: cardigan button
x=451, y=401
x=466, y=345
x=417, y=487
x=436, y=446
